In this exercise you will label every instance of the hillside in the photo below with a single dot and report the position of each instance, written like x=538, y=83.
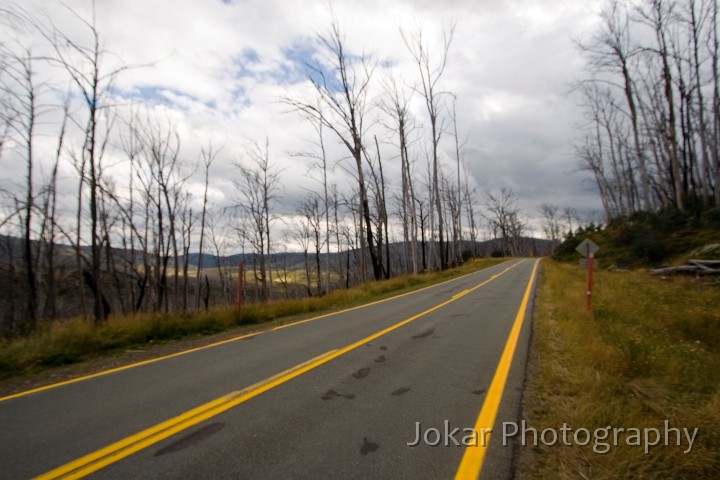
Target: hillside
x=649, y=239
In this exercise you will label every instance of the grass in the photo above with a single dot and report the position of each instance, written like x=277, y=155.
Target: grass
x=76, y=340
x=648, y=351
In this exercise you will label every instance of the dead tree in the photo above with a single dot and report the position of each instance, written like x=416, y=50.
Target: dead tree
x=49, y=224
x=311, y=230
x=319, y=163
x=658, y=16
x=473, y=226
x=397, y=107
x=715, y=55
x=303, y=236
x=208, y=157
x=84, y=63
x=696, y=20
x=381, y=204
x=457, y=220
x=258, y=187
x=21, y=114
x=503, y=216
x=160, y=181
x=430, y=75
x=342, y=93
x=612, y=50
x=551, y=222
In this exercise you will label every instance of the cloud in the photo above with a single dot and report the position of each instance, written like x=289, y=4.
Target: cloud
x=222, y=68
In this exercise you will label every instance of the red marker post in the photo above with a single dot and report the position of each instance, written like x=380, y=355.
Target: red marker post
x=587, y=249
x=241, y=277
x=588, y=295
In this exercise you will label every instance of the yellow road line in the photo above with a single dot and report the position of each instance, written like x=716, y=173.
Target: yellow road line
x=472, y=460
x=112, y=453
x=458, y=295
x=119, y=369
x=222, y=342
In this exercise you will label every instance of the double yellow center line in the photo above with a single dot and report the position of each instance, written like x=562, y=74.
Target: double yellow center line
x=112, y=453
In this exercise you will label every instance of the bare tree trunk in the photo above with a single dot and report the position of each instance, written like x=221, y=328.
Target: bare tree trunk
x=323, y=156
x=208, y=156
x=413, y=212
x=100, y=314
x=383, y=210
x=187, y=217
x=423, y=244
x=20, y=115
x=660, y=18
x=616, y=39
x=50, y=209
x=458, y=221
x=716, y=105
x=318, y=269
x=257, y=186
x=398, y=108
x=336, y=222
x=702, y=123
x=92, y=84
x=29, y=137
x=348, y=107
x=430, y=76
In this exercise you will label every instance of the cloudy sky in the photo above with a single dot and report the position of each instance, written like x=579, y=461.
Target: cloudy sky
x=220, y=67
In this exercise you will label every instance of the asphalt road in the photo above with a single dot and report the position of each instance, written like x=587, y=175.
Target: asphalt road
x=336, y=397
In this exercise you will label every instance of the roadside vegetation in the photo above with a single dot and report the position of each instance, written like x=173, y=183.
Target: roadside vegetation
x=75, y=340
x=648, y=351
x=645, y=239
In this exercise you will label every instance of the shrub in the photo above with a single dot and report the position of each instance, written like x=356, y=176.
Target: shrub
x=650, y=248
x=711, y=218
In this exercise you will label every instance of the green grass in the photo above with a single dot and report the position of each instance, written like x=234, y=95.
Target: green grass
x=648, y=351
x=76, y=340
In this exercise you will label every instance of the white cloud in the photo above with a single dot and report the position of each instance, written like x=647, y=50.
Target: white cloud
x=222, y=66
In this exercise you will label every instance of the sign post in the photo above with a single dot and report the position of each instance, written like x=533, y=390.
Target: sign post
x=587, y=249
x=241, y=277
x=588, y=295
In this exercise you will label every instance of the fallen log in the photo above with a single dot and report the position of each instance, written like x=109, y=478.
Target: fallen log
x=694, y=267
x=705, y=263
x=679, y=269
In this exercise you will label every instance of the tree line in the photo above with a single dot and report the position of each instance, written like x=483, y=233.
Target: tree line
x=123, y=244
x=652, y=101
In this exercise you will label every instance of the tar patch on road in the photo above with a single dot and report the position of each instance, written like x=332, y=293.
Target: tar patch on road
x=400, y=391
x=330, y=394
x=191, y=439
x=380, y=359
x=368, y=446
x=362, y=373
x=424, y=334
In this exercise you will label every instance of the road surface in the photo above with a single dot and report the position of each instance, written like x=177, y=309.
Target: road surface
x=339, y=396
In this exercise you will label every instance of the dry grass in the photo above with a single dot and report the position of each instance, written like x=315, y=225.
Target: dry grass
x=649, y=351
x=76, y=340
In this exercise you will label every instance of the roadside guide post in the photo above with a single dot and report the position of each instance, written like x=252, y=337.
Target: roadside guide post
x=588, y=295
x=587, y=249
x=241, y=277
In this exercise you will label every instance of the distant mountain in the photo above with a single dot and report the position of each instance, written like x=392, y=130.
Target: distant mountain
x=212, y=261
x=529, y=247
